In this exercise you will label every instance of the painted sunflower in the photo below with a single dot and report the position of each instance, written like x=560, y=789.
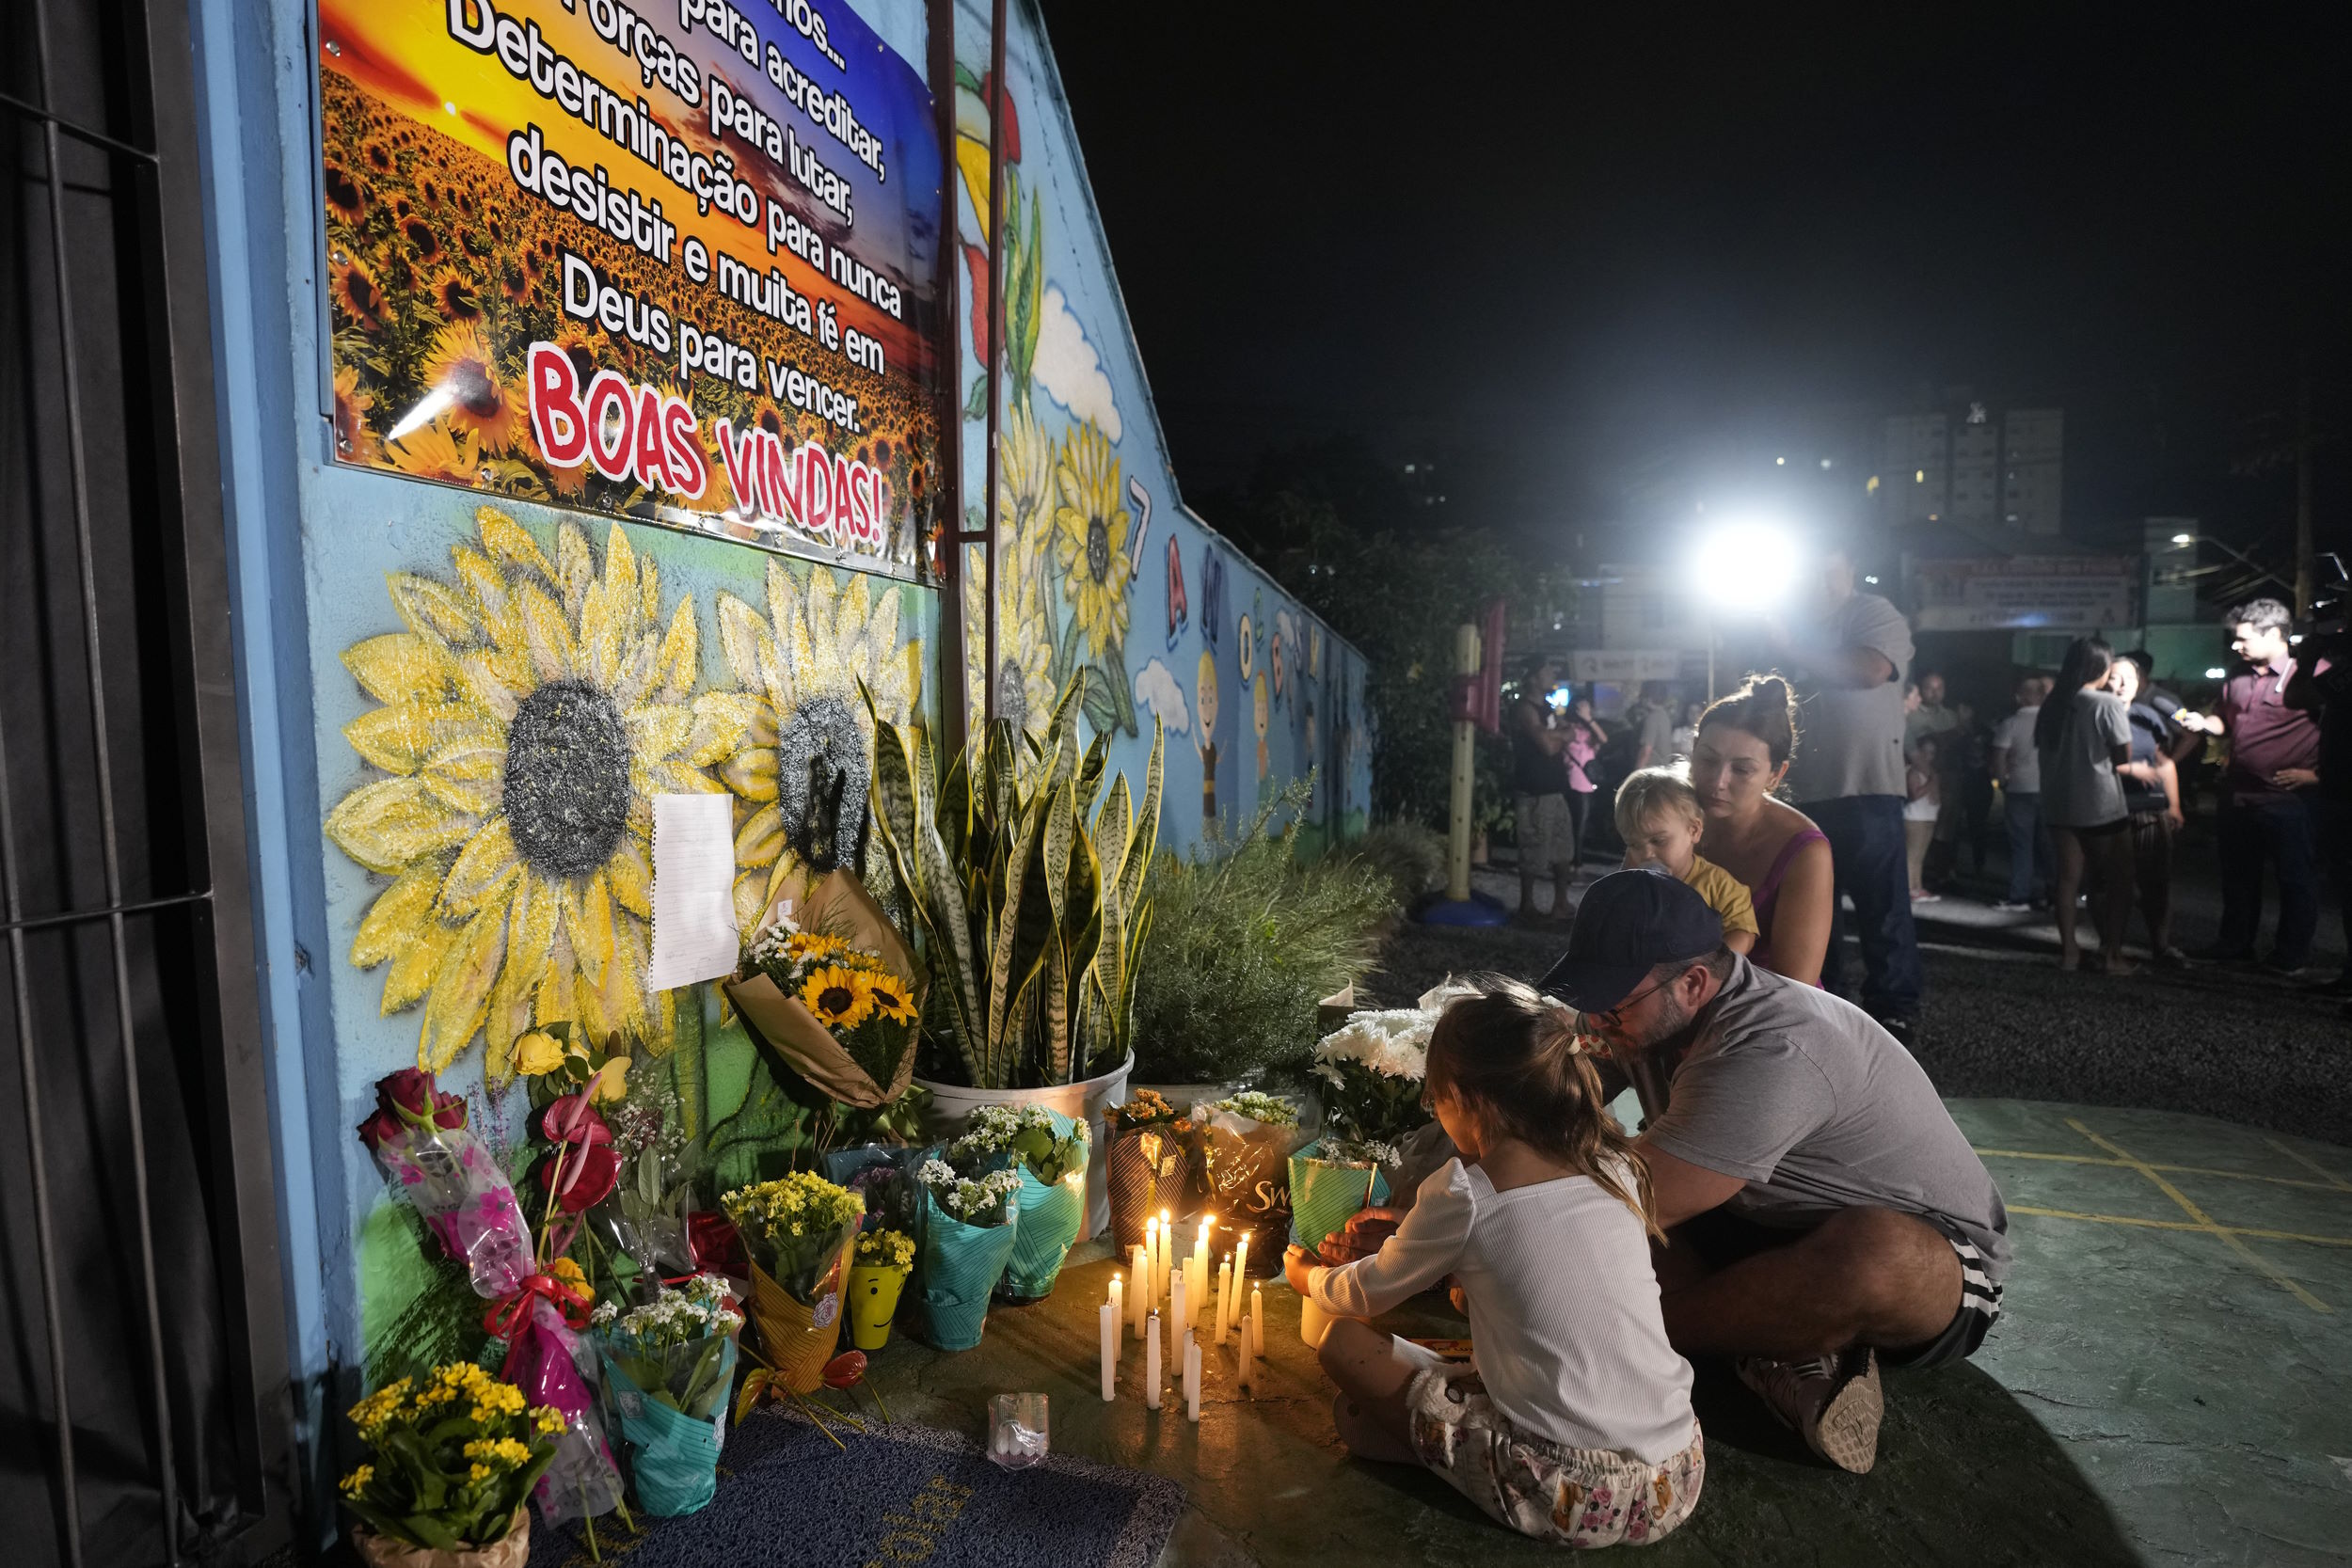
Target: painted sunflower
x=1091, y=537
x=1025, y=651
x=530, y=712
x=804, y=727
x=840, y=998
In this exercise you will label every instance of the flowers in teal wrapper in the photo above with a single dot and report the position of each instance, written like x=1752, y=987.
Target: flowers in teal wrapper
x=1023, y=1133
x=979, y=1201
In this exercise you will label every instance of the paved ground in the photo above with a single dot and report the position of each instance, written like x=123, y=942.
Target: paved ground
x=2167, y=1385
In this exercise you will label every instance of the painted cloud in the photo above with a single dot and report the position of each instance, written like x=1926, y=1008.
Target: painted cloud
x=1156, y=691
x=1070, y=370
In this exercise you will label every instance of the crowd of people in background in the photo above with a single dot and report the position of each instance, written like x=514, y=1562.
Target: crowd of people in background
x=1852, y=789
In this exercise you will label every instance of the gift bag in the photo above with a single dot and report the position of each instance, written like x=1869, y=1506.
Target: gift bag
x=958, y=1265
x=1246, y=1164
x=1325, y=1194
x=673, y=1454
x=798, y=1336
x=1150, y=1169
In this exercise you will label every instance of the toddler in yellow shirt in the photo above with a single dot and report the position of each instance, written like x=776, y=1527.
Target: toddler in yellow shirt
x=1659, y=818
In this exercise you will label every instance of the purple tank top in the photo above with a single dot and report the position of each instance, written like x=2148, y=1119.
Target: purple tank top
x=1767, y=894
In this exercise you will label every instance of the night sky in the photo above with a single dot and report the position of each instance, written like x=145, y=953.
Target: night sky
x=1587, y=246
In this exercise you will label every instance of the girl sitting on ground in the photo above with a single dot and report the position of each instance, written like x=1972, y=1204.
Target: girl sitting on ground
x=1659, y=818
x=1574, y=1425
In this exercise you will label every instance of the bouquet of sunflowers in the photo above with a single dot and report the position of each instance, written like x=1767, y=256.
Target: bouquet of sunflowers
x=831, y=993
x=798, y=1230
x=449, y=1466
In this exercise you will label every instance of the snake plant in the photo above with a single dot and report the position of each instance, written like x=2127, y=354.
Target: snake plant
x=1025, y=894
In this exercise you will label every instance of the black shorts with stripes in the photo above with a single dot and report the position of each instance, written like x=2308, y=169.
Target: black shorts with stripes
x=1724, y=1238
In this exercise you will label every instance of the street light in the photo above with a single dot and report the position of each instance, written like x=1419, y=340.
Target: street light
x=1742, y=565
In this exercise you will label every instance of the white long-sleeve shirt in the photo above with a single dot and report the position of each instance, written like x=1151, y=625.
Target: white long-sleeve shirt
x=1564, y=1323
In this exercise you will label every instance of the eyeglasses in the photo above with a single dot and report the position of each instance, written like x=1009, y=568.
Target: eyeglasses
x=1614, y=1018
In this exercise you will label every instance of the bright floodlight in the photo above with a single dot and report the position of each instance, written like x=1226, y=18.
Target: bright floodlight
x=1749, y=566
x=2184, y=539
x=2216, y=673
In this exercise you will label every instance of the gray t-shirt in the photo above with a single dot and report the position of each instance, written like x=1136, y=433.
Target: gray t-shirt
x=1657, y=727
x=1849, y=739
x=2079, y=785
x=2014, y=735
x=1812, y=1104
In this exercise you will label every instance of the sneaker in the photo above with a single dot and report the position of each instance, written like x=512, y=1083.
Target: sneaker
x=1905, y=1029
x=1923, y=897
x=1833, y=1402
x=2279, y=971
x=2012, y=906
x=2173, y=957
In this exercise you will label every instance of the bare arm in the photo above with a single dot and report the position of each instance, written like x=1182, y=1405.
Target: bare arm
x=1859, y=668
x=2170, y=777
x=1801, y=917
x=1680, y=1190
x=2000, y=763
x=1742, y=943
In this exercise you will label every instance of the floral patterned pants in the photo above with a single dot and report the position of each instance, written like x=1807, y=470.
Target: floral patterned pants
x=1573, y=1496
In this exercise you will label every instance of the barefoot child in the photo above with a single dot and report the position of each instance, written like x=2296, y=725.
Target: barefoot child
x=1659, y=818
x=1575, y=1424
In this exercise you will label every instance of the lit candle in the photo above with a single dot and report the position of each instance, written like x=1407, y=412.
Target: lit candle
x=1192, y=1378
x=1177, y=1323
x=1167, y=1249
x=1152, y=1258
x=1224, y=1296
x=1109, y=1316
x=1240, y=1271
x=1119, y=1310
x=1151, y=1363
x=1257, y=1322
x=1200, y=1248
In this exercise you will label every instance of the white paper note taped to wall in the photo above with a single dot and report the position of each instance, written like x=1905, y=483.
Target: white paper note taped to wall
x=694, y=890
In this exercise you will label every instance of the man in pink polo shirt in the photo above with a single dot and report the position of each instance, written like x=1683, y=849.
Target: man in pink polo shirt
x=2268, y=795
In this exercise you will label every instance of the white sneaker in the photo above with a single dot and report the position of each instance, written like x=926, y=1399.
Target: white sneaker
x=1833, y=1402
x=2010, y=906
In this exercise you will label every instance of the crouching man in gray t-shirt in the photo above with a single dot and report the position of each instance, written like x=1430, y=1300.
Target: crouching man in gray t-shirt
x=1823, y=1211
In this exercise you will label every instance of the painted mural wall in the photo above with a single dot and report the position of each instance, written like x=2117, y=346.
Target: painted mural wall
x=1102, y=573
x=459, y=707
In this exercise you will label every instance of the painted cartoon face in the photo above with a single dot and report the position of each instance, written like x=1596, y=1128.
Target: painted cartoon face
x=1262, y=701
x=1204, y=696
x=1275, y=658
x=1248, y=648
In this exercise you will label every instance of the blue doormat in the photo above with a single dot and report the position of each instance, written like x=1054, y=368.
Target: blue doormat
x=901, y=1495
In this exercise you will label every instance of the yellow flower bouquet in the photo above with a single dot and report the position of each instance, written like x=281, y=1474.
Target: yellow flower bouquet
x=829, y=990
x=798, y=1230
x=452, y=1464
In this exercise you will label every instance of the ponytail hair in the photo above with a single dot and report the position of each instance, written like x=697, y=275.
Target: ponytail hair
x=1765, y=708
x=1518, y=1059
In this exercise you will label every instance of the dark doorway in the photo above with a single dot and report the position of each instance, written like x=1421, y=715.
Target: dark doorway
x=143, y=1413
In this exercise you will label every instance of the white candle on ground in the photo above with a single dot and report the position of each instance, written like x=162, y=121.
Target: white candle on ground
x=1109, y=1316
x=1248, y=1362
x=1177, y=1324
x=1201, y=1246
x=1152, y=1258
x=1257, y=1322
x=1192, y=1378
x=1241, y=1273
x=1224, y=1296
x=1151, y=1363
x=1167, y=1249
x=1139, y=1286
x=1118, y=1312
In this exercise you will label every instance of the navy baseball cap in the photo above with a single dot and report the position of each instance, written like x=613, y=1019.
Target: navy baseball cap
x=1630, y=922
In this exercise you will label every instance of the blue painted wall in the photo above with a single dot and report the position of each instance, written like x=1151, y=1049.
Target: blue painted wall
x=1253, y=690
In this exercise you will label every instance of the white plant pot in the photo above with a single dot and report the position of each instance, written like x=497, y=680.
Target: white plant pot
x=952, y=1102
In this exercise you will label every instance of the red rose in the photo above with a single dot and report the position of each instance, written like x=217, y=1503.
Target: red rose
x=377, y=1127
x=581, y=1176
x=411, y=1094
x=717, y=1245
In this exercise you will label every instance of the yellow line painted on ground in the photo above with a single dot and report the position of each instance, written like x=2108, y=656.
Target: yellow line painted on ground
x=2205, y=1222
x=2325, y=1186
x=2181, y=1225
x=2332, y=1179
